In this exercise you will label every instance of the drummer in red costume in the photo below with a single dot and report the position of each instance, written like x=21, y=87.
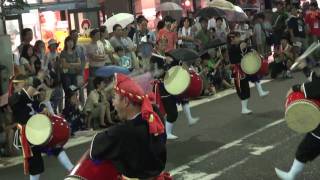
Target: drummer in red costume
x=136, y=146
x=237, y=50
x=21, y=104
x=160, y=63
x=309, y=147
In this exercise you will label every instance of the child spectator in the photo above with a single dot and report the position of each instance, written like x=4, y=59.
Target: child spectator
x=122, y=59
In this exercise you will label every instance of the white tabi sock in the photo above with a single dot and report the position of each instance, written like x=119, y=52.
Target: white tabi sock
x=296, y=169
x=169, y=127
x=35, y=177
x=261, y=92
x=244, y=107
x=65, y=161
x=187, y=112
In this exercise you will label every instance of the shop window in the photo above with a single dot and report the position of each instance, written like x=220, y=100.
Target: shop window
x=48, y=1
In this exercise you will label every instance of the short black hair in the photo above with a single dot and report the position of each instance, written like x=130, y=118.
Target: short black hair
x=118, y=48
x=141, y=18
x=160, y=25
x=73, y=31
x=94, y=32
x=202, y=19
x=97, y=81
x=24, y=32
x=114, y=28
x=103, y=29
x=219, y=18
x=168, y=19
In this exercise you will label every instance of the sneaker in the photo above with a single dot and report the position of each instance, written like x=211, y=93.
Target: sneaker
x=246, y=111
x=193, y=121
x=171, y=136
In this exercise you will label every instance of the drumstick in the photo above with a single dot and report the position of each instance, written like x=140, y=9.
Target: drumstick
x=159, y=56
x=310, y=50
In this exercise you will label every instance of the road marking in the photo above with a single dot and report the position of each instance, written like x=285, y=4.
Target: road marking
x=244, y=160
x=179, y=169
x=260, y=150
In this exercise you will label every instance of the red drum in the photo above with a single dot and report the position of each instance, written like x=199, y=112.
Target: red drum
x=302, y=115
x=47, y=131
x=196, y=86
x=86, y=169
x=264, y=69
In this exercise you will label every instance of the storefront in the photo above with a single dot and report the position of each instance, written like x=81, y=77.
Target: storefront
x=52, y=19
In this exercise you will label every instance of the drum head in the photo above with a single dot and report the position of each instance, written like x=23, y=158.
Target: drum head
x=251, y=63
x=176, y=80
x=302, y=116
x=38, y=129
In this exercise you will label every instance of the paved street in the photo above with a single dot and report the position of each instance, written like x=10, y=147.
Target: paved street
x=225, y=145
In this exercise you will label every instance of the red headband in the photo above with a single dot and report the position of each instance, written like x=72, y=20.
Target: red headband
x=127, y=87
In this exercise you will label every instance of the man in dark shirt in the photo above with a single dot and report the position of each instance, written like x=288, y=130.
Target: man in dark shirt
x=137, y=146
x=237, y=50
x=296, y=27
x=309, y=148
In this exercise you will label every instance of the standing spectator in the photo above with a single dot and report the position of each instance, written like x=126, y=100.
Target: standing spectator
x=109, y=50
x=186, y=34
x=96, y=55
x=29, y=63
x=26, y=38
x=130, y=48
x=81, y=53
x=144, y=40
x=203, y=36
x=157, y=19
x=279, y=22
x=313, y=24
x=53, y=66
x=296, y=27
x=167, y=32
x=40, y=51
x=70, y=63
x=221, y=31
x=260, y=34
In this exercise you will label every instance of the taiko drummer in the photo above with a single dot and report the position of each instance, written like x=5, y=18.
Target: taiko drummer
x=22, y=103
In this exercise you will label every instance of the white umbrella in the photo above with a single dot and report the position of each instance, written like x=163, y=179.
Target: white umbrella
x=221, y=4
x=169, y=6
x=123, y=19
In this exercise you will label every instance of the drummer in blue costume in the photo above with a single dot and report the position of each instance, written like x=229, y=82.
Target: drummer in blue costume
x=237, y=50
x=167, y=102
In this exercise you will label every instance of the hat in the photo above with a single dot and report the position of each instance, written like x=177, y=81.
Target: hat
x=72, y=89
x=127, y=87
x=52, y=42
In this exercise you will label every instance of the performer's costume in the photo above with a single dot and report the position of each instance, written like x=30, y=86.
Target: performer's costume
x=136, y=147
x=309, y=148
x=23, y=108
x=242, y=80
x=167, y=102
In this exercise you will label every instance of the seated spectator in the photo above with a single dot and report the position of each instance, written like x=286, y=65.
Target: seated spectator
x=71, y=112
x=208, y=88
x=97, y=105
x=122, y=59
x=283, y=59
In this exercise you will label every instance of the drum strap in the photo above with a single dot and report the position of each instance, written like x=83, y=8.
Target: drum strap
x=156, y=84
x=26, y=149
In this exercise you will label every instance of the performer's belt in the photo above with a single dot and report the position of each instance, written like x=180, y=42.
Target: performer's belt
x=238, y=74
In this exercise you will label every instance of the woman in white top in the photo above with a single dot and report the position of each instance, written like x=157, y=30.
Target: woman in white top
x=186, y=34
x=109, y=50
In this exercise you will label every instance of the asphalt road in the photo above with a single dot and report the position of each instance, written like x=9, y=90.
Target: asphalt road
x=224, y=145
